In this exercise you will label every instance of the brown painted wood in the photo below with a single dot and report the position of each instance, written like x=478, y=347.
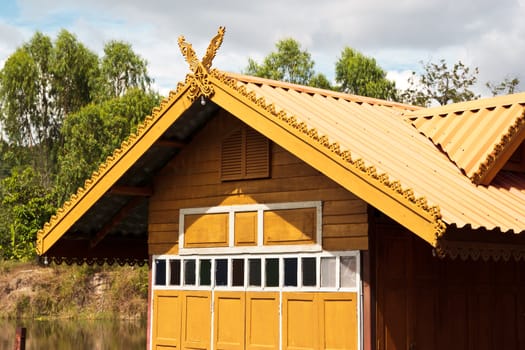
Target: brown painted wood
x=145, y=191
x=121, y=214
x=428, y=303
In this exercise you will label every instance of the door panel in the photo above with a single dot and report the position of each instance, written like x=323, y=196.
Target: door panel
x=262, y=320
x=338, y=320
x=229, y=320
x=300, y=327
x=167, y=311
x=196, y=322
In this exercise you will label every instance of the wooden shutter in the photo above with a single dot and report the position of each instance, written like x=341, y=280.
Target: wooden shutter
x=245, y=154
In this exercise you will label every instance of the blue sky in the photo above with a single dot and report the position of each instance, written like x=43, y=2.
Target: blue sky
x=399, y=34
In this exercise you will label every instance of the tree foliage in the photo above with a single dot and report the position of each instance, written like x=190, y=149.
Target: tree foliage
x=288, y=63
x=122, y=69
x=91, y=134
x=360, y=75
x=441, y=84
x=507, y=86
x=25, y=205
x=62, y=111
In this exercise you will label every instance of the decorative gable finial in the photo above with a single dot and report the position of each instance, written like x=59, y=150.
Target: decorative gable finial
x=198, y=80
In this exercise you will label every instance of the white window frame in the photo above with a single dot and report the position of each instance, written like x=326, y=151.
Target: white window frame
x=260, y=247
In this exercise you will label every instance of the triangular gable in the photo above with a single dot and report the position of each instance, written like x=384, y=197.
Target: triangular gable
x=261, y=114
x=478, y=136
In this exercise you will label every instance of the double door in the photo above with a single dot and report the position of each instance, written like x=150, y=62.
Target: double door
x=254, y=320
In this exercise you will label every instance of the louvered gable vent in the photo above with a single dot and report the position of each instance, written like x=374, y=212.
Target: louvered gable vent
x=245, y=154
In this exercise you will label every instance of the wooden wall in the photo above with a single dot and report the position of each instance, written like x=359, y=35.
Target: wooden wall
x=192, y=180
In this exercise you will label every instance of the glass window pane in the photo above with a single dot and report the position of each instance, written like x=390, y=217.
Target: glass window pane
x=272, y=272
x=160, y=272
x=328, y=272
x=205, y=273
x=255, y=272
x=348, y=271
x=290, y=272
x=221, y=272
x=175, y=272
x=189, y=272
x=238, y=272
x=309, y=272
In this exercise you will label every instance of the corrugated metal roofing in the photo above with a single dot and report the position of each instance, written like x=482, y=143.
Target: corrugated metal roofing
x=375, y=132
x=478, y=136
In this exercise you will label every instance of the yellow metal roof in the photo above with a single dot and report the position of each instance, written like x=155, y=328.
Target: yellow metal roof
x=375, y=134
x=478, y=136
x=381, y=151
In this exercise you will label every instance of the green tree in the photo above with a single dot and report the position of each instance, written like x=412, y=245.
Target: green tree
x=91, y=134
x=442, y=85
x=288, y=63
x=507, y=86
x=39, y=85
x=360, y=75
x=74, y=68
x=25, y=205
x=122, y=69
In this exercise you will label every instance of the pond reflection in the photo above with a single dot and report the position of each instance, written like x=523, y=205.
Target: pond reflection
x=75, y=334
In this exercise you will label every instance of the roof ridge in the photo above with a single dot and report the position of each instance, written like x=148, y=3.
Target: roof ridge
x=395, y=187
x=459, y=107
x=324, y=92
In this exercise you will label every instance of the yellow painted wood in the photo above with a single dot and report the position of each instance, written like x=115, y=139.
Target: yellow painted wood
x=338, y=321
x=229, y=320
x=206, y=230
x=290, y=226
x=300, y=322
x=320, y=320
x=163, y=248
x=345, y=243
x=166, y=319
x=196, y=319
x=184, y=184
x=262, y=321
x=408, y=214
x=246, y=229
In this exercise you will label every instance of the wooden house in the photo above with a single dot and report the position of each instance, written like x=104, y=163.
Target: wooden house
x=278, y=216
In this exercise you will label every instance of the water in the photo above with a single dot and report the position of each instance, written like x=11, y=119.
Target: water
x=75, y=334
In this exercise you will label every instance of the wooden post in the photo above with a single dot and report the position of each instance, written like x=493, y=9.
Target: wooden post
x=20, y=340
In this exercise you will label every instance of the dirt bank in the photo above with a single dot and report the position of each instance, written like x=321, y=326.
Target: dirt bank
x=89, y=292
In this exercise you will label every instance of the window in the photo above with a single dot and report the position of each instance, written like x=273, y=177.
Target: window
x=221, y=272
x=160, y=272
x=189, y=272
x=174, y=272
x=245, y=154
x=325, y=271
x=254, y=272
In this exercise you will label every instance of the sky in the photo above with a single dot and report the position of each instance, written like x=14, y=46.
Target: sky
x=399, y=34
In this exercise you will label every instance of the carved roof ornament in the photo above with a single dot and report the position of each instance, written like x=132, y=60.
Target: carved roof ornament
x=199, y=78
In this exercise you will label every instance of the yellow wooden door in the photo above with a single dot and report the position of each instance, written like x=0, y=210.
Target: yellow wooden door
x=196, y=319
x=262, y=320
x=338, y=320
x=319, y=320
x=300, y=329
x=166, y=325
x=229, y=314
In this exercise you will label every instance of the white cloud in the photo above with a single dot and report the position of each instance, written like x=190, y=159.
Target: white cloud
x=399, y=34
